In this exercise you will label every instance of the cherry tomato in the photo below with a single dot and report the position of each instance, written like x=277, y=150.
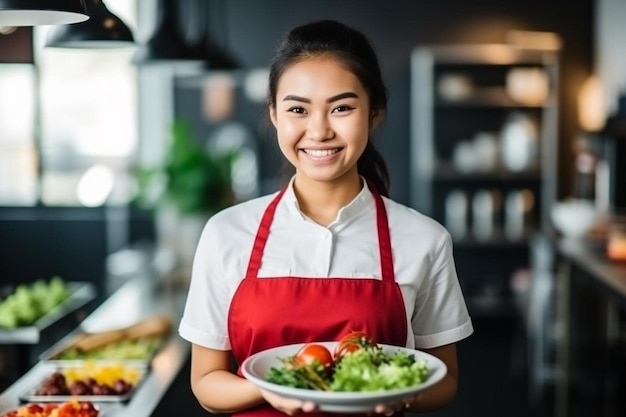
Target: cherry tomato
x=312, y=352
x=352, y=342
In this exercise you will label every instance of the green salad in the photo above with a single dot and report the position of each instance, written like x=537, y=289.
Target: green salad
x=366, y=368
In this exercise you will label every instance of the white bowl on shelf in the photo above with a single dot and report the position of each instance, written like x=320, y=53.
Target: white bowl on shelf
x=574, y=218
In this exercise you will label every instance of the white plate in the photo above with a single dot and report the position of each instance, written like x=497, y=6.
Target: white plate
x=256, y=367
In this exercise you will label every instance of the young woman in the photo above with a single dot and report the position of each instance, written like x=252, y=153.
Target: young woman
x=328, y=253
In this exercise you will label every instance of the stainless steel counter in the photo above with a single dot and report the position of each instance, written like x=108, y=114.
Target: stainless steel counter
x=139, y=298
x=592, y=260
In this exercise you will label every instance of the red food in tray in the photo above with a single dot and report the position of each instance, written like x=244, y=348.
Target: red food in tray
x=87, y=381
x=73, y=408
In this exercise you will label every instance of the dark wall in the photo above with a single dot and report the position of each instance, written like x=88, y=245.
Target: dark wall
x=42, y=243
x=251, y=28
x=70, y=242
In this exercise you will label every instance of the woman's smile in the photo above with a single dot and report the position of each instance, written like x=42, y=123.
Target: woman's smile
x=321, y=154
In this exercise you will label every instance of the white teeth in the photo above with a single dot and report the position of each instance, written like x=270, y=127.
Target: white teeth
x=321, y=152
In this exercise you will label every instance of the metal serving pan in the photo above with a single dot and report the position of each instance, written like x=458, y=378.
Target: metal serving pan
x=46, y=371
x=136, y=344
x=80, y=294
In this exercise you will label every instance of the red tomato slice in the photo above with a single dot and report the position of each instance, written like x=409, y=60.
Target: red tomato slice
x=352, y=342
x=312, y=352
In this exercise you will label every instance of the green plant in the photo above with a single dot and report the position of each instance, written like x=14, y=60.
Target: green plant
x=190, y=178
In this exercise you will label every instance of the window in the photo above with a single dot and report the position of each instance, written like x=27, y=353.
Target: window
x=18, y=161
x=85, y=106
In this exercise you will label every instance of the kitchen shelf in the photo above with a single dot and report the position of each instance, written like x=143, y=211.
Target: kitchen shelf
x=488, y=97
x=464, y=95
x=446, y=172
x=498, y=241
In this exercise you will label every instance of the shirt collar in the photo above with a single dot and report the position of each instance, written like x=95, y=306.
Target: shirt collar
x=363, y=200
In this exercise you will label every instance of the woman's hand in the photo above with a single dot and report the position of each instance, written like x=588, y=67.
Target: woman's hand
x=403, y=405
x=289, y=406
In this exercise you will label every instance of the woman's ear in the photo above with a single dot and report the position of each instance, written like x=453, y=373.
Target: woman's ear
x=375, y=119
x=272, y=112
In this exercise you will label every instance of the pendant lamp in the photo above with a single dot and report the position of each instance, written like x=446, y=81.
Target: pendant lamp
x=167, y=46
x=102, y=30
x=41, y=12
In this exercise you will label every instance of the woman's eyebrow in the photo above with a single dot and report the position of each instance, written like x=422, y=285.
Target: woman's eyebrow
x=292, y=97
x=341, y=96
x=347, y=94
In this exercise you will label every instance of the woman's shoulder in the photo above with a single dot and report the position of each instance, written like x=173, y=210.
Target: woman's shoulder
x=407, y=219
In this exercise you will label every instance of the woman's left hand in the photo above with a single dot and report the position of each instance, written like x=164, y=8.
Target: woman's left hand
x=289, y=406
x=403, y=405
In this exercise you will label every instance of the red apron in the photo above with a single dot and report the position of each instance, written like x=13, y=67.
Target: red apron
x=275, y=311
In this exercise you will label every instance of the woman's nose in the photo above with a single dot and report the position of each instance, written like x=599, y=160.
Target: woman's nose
x=319, y=128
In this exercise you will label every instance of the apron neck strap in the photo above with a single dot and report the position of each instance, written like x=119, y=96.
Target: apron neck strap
x=382, y=225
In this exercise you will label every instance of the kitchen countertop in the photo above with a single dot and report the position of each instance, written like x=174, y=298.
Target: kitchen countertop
x=591, y=259
x=140, y=297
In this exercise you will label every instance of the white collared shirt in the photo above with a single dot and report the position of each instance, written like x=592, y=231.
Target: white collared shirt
x=348, y=247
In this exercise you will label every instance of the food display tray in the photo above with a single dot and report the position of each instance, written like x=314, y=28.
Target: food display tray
x=80, y=294
x=19, y=410
x=50, y=356
x=30, y=396
x=135, y=344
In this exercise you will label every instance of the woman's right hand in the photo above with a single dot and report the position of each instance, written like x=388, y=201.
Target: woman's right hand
x=289, y=406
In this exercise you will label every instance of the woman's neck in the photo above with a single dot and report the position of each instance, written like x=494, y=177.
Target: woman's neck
x=322, y=200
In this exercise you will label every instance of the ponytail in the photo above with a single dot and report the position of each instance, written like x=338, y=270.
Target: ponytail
x=372, y=166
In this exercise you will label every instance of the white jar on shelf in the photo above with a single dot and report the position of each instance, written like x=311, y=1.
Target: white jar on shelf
x=486, y=206
x=518, y=207
x=456, y=213
x=519, y=138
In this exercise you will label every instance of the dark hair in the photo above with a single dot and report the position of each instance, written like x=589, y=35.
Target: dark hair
x=353, y=49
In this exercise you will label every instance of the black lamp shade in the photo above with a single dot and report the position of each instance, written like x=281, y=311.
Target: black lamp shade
x=41, y=12
x=102, y=30
x=167, y=46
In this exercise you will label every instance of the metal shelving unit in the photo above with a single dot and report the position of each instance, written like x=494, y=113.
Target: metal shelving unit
x=439, y=123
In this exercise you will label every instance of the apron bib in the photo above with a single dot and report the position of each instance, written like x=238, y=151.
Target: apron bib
x=275, y=311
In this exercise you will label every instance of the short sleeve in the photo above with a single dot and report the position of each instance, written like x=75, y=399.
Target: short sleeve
x=205, y=315
x=440, y=316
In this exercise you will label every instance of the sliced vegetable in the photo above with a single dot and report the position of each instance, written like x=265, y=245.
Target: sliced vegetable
x=314, y=352
x=352, y=342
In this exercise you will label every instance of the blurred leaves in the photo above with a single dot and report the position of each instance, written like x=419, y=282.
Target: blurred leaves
x=191, y=178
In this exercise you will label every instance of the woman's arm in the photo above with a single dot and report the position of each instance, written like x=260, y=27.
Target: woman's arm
x=444, y=391
x=217, y=388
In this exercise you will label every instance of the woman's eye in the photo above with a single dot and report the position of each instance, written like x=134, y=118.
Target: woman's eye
x=296, y=109
x=342, y=108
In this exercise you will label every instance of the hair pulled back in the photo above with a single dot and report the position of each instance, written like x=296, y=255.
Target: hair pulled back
x=353, y=50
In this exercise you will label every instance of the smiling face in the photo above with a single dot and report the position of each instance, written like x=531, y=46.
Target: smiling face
x=322, y=120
